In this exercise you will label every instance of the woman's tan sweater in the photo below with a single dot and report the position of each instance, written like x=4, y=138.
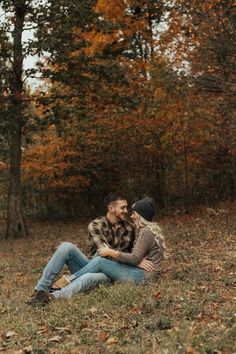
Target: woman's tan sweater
x=146, y=245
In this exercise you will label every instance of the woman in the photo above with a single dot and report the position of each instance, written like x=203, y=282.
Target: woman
x=149, y=243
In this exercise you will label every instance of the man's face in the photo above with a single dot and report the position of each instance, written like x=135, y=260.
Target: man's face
x=119, y=209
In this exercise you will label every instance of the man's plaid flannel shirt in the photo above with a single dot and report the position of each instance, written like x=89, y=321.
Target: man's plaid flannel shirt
x=120, y=238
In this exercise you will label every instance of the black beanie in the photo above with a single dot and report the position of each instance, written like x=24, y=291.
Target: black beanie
x=145, y=207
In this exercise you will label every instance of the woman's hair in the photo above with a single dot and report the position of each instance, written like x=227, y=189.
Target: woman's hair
x=140, y=222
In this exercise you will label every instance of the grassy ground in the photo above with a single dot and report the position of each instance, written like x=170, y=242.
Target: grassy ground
x=191, y=309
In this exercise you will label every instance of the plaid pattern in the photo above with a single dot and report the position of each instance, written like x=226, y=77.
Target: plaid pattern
x=120, y=238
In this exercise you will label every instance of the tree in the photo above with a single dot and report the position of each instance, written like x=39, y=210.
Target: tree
x=18, y=15
x=107, y=72
x=15, y=223
x=213, y=66
x=125, y=97
x=201, y=40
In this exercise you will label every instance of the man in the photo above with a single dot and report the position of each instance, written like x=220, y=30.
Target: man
x=111, y=230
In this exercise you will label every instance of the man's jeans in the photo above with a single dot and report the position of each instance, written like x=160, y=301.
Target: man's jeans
x=99, y=265
x=69, y=254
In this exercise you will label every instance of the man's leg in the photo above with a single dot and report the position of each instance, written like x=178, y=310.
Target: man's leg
x=81, y=285
x=66, y=253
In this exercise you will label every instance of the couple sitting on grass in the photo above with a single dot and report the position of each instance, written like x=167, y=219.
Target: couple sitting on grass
x=121, y=251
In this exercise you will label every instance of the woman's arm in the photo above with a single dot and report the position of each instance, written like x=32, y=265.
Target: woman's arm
x=139, y=250
x=108, y=252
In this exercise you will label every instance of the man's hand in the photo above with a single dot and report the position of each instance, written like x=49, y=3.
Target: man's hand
x=146, y=265
x=108, y=252
x=104, y=251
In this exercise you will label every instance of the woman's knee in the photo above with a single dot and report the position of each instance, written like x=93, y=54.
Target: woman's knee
x=96, y=263
x=96, y=260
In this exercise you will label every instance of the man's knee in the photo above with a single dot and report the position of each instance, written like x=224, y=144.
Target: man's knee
x=66, y=247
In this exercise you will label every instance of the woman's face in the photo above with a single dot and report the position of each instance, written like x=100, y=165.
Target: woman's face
x=134, y=216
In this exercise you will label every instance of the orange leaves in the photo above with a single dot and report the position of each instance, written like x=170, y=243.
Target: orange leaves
x=3, y=166
x=53, y=162
x=111, y=10
x=157, y=295
x=102, y=336
x=159, y=92
x=118, y=12
x=190, y=350
x=98, y=41
x=71, y=182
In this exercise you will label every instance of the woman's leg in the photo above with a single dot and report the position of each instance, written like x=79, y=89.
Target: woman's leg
x=113, y=269
x=66, y=253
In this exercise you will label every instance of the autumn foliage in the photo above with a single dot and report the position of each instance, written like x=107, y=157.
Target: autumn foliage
x=139, y=98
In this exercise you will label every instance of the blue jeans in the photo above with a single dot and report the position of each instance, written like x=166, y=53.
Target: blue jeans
x=99, y=265
x=69, y=254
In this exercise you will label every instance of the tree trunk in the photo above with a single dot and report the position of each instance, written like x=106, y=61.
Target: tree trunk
x=15, y=222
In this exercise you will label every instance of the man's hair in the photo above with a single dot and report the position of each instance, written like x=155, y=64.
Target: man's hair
x=112, y=198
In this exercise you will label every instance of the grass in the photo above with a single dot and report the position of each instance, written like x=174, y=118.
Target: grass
x=190, y=309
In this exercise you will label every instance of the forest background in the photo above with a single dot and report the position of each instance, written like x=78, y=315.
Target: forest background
x=135, y=96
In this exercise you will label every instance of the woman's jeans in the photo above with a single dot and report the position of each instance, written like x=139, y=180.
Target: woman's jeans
x=99, y=265
x=69, y=254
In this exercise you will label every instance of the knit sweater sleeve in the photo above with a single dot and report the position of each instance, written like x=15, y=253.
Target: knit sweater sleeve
x=140, y=249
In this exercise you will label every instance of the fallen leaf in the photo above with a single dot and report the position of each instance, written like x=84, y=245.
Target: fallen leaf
x=203, y=288
x=157, y=295
x=63, y=329
x=135, y=310
x=19, y=274
x=102, y=336
x=27, y=349
x=42, y=330
x=9, y=334
x=217, y=268
x=133, y=323
x=111, y=341
x=92, y=310
x=106, y=315
x=190, y=350
x=55, y=339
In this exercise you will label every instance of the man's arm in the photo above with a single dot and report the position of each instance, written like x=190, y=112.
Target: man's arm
x=98, y=242
x=96, y=236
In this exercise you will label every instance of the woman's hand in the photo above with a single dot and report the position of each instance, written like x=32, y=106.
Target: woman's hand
x=146, y=265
